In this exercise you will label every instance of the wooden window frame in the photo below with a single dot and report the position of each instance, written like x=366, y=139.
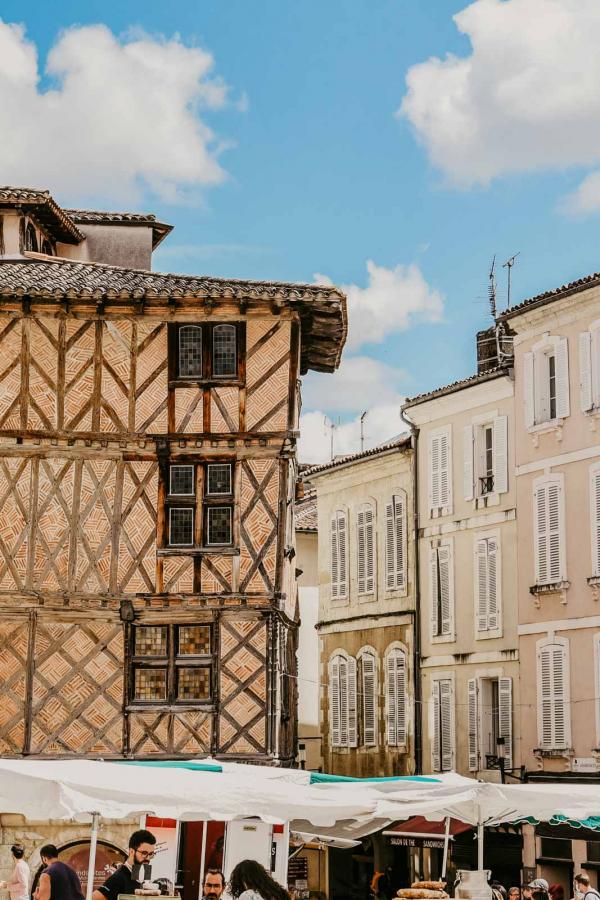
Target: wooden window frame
x=171, y=663
x=200, y=502
x=207, y=379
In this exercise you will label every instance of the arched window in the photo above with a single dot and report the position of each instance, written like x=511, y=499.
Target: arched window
x=47, y=248
x=342, y=699
x=396, y=698
x=31, y=239
x=190, y=351
x=224, y=351
x=369, y=706
x=365, y=522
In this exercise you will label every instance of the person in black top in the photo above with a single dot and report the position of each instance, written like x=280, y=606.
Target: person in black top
x=124, y=880
x=58, y=881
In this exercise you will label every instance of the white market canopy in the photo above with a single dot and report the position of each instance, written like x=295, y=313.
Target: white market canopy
x=311, y=803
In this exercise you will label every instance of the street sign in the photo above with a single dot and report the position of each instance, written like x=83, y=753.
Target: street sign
x=584, y=764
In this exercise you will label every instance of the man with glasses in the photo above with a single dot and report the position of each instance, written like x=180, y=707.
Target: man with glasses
x=125, y=879
x=214, y=885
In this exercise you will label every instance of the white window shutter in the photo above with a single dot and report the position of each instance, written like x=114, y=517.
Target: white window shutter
x=585, y=370
x=528, y=390
x=553, y=697
x=472, y=722
x=493, y=573
x=560, y=699
x=446, y=588
x=544, y=689
x=505, y=714
x=391, y=699
x=343, y=670
x=500, y=450
x=436, y=750
x=541, y=534
x=334, y=704
x=481, y=584
x=401, y=698
x=562, y=378
x=468, y=468
x=342, y=529
x=445, y=470
x=361, y=552
x=335, y=562
x=369, y=700
x=400, y=538
x=554, y=532
x=595, y=519
x=352, y=709
x=433, y=580
x=390, y=548
x=434, y=472
x=370, y=549
x=446, y=721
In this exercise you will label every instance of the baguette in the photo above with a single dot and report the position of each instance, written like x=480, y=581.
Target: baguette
x=429, y=885
x=421, y=894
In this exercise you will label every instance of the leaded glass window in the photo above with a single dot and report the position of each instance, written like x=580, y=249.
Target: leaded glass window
x=224, y=361
x=181, y=526
x=181, y=481
x=171, y=664
x=218, y=525
x=190, y=351
x=218, y=478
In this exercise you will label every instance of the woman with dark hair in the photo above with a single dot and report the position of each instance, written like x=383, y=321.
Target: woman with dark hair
x=251, y=881
x=18, y=883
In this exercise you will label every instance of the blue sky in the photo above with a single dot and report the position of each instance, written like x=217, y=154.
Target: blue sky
x=309, y=169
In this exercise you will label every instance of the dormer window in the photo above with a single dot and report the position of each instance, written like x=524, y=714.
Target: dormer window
x=31, y=243
x=206, y=352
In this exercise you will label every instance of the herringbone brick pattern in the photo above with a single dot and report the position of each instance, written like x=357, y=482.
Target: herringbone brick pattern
x=53, y=526
x=224, y=409
x=10, y=372
x=13, y=663
x=116, y=376
x=42, y=411
x=216, y=575
x=178, y=574
x=96, y=512
x=258, y=525
x=15, y=515
x=137, y=544
x=151, y=378
x=79, y=374
x=268, y=373
x=242, y=678
x=189, y=410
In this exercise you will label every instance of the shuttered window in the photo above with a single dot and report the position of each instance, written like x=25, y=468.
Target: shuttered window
x=595, y=517
x=546, y=382
x=549, y=536
x=442, y=726
x=505, y=718
x=342, y=700
x=395, y=545
x=440, y=470
x=441, y=565
x=554, y=726
x=487, y=584
x=473, y=724
x=367, y=668
x=396, y=699
x=365, y=549
x=339, y=556
x=490, y=713
x=485, y=458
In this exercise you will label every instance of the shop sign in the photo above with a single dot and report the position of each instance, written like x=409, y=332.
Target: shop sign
x=429, y=843
x=584, y=764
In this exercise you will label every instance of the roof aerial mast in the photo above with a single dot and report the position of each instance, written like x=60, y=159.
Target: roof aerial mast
x=508, y=265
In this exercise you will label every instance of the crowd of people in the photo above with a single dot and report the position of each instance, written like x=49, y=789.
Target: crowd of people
x=58, y=881
x=539, y=889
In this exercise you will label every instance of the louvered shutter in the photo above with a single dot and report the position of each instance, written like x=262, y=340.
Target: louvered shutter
x=436, y=750
x=528, y=390
x=434, y=472
x=369, y=550
x=481, y=584
x=473, y=722
x=401, y=698
x=399, y=534
x=446, y=587
x=505, y=714
x=391, y=699
x=492, y=584
x=559, y=696
x=361, y=552
x=433, y=580
x=562, y=378
x=343, y=669
x=553, y=699
x=468, y=468
x=369, y=699
x=445, y=471
x=540, y=510
x=554, y=531
x=446, y=736
x=334, y=695
x=595, y=519
x=545, y=718
x=342, y=536
x=500, y=451
x=585, y=371
x=352, y=708
x=390, y=568
x=335, y=561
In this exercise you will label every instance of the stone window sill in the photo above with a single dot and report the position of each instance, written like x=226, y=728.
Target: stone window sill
x=553, y=752
x=555, y=425
x=546, y=590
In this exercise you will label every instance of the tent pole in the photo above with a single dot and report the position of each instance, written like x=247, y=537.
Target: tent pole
x=446, y=842
x=202, y=858
x=480, y=846
x=92, y=860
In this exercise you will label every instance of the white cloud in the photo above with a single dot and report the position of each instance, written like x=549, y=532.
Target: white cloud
x=394, y=300
x=121, y=116
x=382, y=423
x=526, y=97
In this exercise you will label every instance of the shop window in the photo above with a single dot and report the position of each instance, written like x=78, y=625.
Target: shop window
x=171, y=664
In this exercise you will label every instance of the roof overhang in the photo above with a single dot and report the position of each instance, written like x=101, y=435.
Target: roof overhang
x=45, y=209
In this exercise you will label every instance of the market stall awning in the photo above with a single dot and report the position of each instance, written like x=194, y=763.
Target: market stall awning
x=425, y=828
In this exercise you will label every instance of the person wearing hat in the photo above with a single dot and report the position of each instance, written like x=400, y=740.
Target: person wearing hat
x=583, y=891
x=18, y=883
x=536, y=890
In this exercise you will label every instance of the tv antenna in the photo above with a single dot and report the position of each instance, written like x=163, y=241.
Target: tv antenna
x=492, y=288
x=508, y=265
x=362, y=430
x=331, y=426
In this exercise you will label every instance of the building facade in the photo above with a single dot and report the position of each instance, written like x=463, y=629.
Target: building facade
x=147, y=472
x=367, y=611
x=467, y=566
x=557, y=383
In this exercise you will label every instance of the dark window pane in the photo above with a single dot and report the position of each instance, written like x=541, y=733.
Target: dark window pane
x=224, y=357
x=150, y=684
x=151, y=640
x=181, y=480
x=219, y=478
x=190, y=351
x=193, y=683
x=219, y=524
x=181, y=526
x=31, y=239
x=194, y=640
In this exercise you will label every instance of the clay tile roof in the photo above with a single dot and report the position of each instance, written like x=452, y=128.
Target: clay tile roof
x=98, y=217
x=496, y=372
x=565, y=290
x=305, y=513
x=322, y=308
x=45, y=209
x=401, y=442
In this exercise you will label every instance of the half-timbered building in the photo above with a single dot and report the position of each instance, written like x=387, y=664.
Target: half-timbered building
x=148, y=428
